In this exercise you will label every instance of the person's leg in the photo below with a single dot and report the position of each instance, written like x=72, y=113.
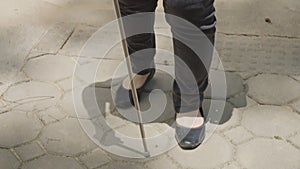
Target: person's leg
x=189, y=85
x=201, y=14
x=138, y=16
x=141, y=46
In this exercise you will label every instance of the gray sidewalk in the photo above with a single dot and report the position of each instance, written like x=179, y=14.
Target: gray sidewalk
x=38, y=124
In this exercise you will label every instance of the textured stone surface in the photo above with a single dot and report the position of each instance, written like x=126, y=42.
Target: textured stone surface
x=266, y=55
x=214, y=152
x=31, y=91
x=295, y=140
x=233, y=121
x=66, y=84
x=53, y=114
x=117, y=165
x=271, y=121
x=67, y=104
x=296, y=105
x=228, y=20
x=50, y=162
x=8, y=160
x=268, y=153
x=29, y=151
x=296, y=77
x=81, y=34
x=238, y=135
x=273, y=89
x=49, y=68
x=94, y=159
x=55, y=38
x=161, y=162
x=32, y=96
x=231, y=165
x=24, y=126
x=66, y=137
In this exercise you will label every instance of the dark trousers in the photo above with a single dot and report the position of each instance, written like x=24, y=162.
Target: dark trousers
x=141, y=47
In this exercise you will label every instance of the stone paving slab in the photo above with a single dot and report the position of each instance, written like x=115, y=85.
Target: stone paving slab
x=25, y=127
x=8, y=160
x=296, y=106
x=231, y=17
x=77, y=40
x=49, y=68
x=238, y=135
x=66, y=138
x=29, y=151
x=55, y=38
x=268, y=153
x=296, y=140
x=50, y=162
x=94, y=159
x=216, y=149
x=273, y=89
x=261, y=54
x=162, y=162
x=271, y=121
x=50, y=115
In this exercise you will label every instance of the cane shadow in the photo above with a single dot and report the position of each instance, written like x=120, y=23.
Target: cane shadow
x=236, y=97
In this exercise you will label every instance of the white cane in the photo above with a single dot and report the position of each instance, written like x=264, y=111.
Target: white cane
x=129, y=68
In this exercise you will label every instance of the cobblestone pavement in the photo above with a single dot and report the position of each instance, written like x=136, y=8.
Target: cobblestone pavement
x=38, y=124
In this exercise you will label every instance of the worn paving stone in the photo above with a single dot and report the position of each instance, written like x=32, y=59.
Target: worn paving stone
x=32, y=90
x=94, y=159
x=117, y=165
x=234, y=120
x=110, y=69
x=247, y=75
x=29, y=151
x=67, y=104
x=133, y=131
x=296, y=140
x=50, y=162
x=50, y=68
x=66, y=84
x=282, y=18
x=81, y=34
x=268, y=153
x=161, y=162
x=55, y=38
x=32, y=96
x=53, y=114
x=66, y=137
x=271, y=121
x=25, y=128
x=238, y=135
x=214, y=152
x=296, y=105
x=262, y=54
x=231, y=165
x=273, y=89
x=8, y=160
x=296, y=77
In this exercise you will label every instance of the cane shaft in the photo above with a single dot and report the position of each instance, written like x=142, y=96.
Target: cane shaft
x=130, y=73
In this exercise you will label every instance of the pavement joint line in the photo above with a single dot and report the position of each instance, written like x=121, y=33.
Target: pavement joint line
x=258, y=36
x=81, y=163
x=174, y=161
x=292, y=144
x=67, y=39
x=16, y=155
